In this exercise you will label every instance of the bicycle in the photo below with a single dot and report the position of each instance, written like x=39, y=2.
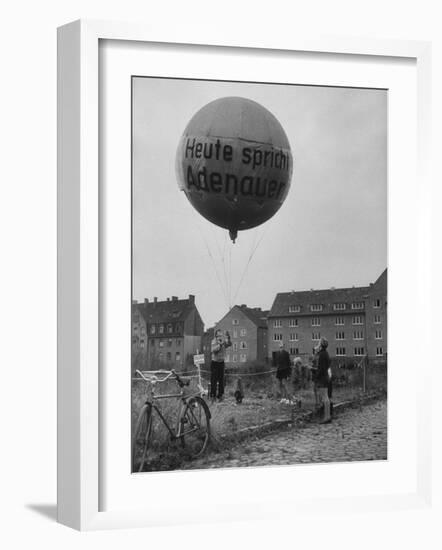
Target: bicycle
x=192, y=427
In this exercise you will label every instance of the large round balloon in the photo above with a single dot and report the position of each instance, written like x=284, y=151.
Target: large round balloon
x=234, y=163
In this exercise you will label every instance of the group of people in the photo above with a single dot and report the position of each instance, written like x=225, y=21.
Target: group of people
x=320, y=370
x=320, y=375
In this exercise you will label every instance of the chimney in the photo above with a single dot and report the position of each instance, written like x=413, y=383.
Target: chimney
x=168, y=299
x=155, y=300
x=192, y=298
x=134, y=302
x=243, y=305
x=174, y=298
x=146, y=300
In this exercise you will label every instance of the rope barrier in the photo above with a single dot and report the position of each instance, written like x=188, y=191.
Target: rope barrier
x=231, y=373
x=236, y=373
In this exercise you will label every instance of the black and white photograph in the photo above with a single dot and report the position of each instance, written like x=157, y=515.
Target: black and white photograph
x=259, y=274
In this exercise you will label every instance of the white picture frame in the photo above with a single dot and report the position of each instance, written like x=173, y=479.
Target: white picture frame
x=79, y=268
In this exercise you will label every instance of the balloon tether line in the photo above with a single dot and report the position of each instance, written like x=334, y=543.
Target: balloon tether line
x=249, y=260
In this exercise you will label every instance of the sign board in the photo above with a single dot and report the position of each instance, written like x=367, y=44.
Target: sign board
x=198, y=359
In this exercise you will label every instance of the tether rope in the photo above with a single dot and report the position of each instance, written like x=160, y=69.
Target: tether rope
x=253, y=250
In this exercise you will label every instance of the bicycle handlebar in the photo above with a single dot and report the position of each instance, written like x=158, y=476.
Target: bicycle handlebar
x=151, y=377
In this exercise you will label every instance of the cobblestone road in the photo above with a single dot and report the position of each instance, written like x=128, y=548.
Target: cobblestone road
x=353, y=435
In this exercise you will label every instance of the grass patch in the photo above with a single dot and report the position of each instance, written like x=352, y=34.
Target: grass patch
x=260, y=406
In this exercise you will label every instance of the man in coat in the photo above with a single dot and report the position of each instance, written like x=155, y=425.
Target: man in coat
x=322, y=378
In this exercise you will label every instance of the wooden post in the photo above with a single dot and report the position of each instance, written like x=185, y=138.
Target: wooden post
x=364, y=375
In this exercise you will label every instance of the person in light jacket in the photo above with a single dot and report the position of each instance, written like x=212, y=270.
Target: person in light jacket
x=217, y=367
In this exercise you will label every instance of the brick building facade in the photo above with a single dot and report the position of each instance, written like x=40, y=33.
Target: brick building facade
x=174, y=331
x=248, y=331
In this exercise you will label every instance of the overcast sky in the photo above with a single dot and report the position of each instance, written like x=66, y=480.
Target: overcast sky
x=331, y=230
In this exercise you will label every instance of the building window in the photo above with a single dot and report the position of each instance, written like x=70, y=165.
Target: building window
x=359, y=351
x=235, y=346
x=234, y=358
x=316, y=307
x=340, y=335
x=178, y=342
x=243, y=357
x=168, y=356
x=339, y=307
x=243, y=332
x=377, y=303
x=169, y=343
x=177, y=327
x=377, y=319
x=177, y=356
x=235, y=334
x=357, y=319
x=161, y=343
x=134, y=339
x=141, y=343
x=294, y=337
x=293, y=322
x=357, y=305
x=340, y=352
x=294, y=309
x=161, y=329
x=235, y=322
x=277, y=337
x=339, y=321
x=378, y=335
x=294, y=351
x=358, y=335
x=316, y=335
x=227, y=359
x=243, y=345
x=277, y=323
x=379, y=351
x=169, y=328
x=152, y=329
x=316, y=322
x=160, y=356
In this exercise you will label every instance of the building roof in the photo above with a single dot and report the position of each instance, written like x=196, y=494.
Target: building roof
x=255, y=314
x=325, y=297
x=165, y=311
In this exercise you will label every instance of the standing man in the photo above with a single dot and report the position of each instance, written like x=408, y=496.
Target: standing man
x=323, y=378
x=283, y=372
x=217, y=366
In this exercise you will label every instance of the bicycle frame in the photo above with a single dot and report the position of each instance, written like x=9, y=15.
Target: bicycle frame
x=184, y=396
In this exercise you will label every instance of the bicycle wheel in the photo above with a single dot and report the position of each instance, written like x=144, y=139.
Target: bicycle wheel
x=141, y=437
x=195, y=426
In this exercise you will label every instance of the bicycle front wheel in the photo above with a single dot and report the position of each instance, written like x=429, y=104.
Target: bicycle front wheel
x=195, y=426
x=141, y=437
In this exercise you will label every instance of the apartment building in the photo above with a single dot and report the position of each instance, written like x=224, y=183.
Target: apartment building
x=354, y=321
